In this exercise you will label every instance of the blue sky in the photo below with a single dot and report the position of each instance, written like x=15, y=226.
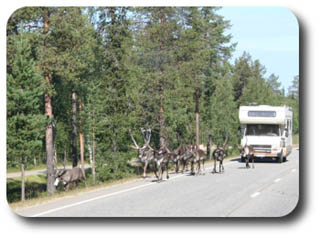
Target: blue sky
x=268, y=34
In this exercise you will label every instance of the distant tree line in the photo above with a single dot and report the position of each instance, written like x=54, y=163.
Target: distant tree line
x=80, y=79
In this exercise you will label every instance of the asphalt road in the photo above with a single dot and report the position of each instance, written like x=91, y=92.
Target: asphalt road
x=269, y=190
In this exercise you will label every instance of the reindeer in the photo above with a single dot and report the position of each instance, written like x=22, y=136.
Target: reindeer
x=145, y=153
x=200, y=157
x=174, y=157
x=218, y=155
x=162, y=158
x=186, y=155
x=247, y=153
x=67, y=177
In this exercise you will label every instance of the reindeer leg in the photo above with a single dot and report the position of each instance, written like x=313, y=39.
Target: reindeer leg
x=247, y=162
x=160, y=172
x=204, y=171
x=145, y=169
x=177, y=166
x=192, y=167
x=155, y=170
x=198, y=168
x=214, y=166
x=253, y=162
x=183, y=165
x=67, y=187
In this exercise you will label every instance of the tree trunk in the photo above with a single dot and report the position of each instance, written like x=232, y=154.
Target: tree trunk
x=74, y=130
x=22, y=179
x=162, y=124
x=94, y=157
x=49, y=142
x=34, y=160
x=197, y=97
x=81, y=142
x=162, y=116
x=48, y=112
x=209, y=145
x=82, y=151
x=49, y=146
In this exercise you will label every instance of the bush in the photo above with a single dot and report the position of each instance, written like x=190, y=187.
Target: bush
x=113, y=166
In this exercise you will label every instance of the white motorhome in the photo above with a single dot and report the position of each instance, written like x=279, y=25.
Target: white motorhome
x=268, y=129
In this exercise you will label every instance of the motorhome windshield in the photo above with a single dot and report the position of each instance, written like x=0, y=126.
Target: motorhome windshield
x=262, y=130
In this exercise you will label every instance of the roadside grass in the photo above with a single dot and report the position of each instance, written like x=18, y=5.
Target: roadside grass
x=43, y=197
x=35, y=187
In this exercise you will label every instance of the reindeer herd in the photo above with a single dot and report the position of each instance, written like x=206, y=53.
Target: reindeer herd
x=183, y=155
x=160, y=159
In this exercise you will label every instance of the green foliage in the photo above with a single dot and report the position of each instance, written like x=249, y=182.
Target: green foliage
x=223, y=117
x=113, y=166
x=293, y=101
x=25, y=122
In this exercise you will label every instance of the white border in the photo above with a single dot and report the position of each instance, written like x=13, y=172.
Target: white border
x=306, y=223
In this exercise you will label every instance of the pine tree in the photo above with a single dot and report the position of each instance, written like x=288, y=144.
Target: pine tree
x=25, y=121
x=74, y=42
x=223, y=120
x=205, y=50
x=156, y=38
x=293, y=101
x=62, y=45
x=108, y=102
x=241, y=73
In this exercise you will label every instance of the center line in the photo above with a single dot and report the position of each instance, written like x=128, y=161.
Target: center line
x=255, y=194
x=277, y=180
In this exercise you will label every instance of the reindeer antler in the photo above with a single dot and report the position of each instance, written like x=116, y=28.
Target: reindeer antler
x=134, y=141
x=146, y=141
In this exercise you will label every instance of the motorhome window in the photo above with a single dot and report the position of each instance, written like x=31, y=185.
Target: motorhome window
x=262, y=130
x=262, y=113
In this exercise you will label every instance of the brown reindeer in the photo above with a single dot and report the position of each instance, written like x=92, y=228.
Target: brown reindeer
x=187, y=155
x=162, y=158
x=68, y=177
x=202, y=156
x=198, y=157
x=145, y=153
x=247, y=153
x=218, y=155
x=175, y=157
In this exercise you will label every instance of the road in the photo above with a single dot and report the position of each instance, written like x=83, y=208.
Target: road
x=269, y=190
x=38, y=171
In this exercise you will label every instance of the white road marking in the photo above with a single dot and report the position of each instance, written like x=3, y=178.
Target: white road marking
x=108, y=195
x=255, y=194
x=277, y=180
x=92, y=199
